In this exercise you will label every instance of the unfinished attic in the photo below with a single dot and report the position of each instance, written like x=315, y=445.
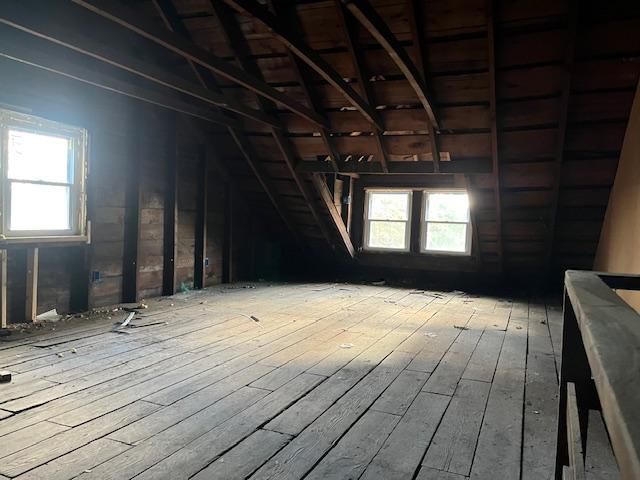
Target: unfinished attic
x=319, y=239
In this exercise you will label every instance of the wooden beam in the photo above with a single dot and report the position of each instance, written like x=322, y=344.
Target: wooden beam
x=61, y=26
x=200, y=247
x=25, y=48
x=572, y=32
x=398, y=168
x=413, y=13
x=3, y=289
x=325, y=195
x=132, y=223
x=170, y=238
x=228, y=272
x=131, y=20
x=349, y=28
x=237, y=44
x=306, y=54
x=31, y=296
x=494, y=127
x=475, y=238
x=378, y=28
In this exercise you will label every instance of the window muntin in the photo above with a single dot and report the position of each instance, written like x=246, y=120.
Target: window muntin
x=43, y=179
x=446, y=225
x=387, y=220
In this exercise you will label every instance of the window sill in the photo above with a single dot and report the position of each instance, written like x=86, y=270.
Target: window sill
x=50, y=241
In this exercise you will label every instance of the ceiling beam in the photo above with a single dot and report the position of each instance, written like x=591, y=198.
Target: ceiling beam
x=378, y=28
x=469, y=166
x=306, y=54
x=572, y=32
x=349, y=27
x=62, y=27
x=413, y=11
x=27, y=49
x=129, y=19
x=300, y=74
x=327, y=198
x=167, y=11
x=491, y=34
x=237, y=45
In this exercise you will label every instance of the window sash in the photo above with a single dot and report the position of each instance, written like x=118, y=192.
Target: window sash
x=424, y=226
x=368, y=221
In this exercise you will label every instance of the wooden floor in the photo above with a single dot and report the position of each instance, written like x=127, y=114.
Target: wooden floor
x=334, y=381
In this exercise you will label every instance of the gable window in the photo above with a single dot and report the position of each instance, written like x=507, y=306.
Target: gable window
x=387, y=220
x=446, y=225
x=43, y=178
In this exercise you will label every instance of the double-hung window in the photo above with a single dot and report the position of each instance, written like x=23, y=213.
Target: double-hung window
x=387, y=220
x=446, y=225
x=43, y=178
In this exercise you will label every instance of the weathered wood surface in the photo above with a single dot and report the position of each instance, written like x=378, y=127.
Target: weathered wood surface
x=336, y=381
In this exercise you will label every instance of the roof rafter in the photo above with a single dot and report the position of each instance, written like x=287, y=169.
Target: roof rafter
x=377, y=27
x=167, y=11
x=237, y=45
x=348, y=26
x=124, y=17
x=306, y=54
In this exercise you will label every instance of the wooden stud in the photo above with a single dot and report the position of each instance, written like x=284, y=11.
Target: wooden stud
x=31, y=295
x=416, y=221
x=306, y=54
x=3, y=289
x=325, y=195
x=378, y=28
x=200, y=248
x=475, y=238
x=228, y=272
x=132, y=224
x=170, y=243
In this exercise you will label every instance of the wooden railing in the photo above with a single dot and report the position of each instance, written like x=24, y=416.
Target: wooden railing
x=599, y=412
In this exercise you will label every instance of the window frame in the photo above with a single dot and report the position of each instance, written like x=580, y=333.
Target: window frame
x=78, y=141
x=367, y=221
x=424, y=224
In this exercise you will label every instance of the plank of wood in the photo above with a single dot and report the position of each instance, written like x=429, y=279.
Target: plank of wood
x=399, y=459
x=77, y=462
x=454, y=443
x=574, y=434
x=499, y=443
x=354, y=451
x=432, y=474
x=400, y=394
x=67, y=441
x=243, y=459
x=599, y=461
x=29, y=436
x=482, y=364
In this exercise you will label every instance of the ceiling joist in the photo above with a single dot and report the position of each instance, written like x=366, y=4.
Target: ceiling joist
x=306, y=54
x=186, y=49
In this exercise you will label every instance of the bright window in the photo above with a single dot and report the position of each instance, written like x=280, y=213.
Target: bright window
x=387, y=220
x=43, y=178
x=446, y=226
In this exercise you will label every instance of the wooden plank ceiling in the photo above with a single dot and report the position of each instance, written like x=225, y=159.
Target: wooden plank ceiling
x=529, y=100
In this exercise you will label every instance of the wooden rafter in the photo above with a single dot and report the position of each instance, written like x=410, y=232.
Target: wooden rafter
x=574, y=12
x=237, y=45
x=494, y=128
x=188, y=50
x=413, y=11
x=377, y=27
x=29, y=50
x=167, y=12
x=349, y=28
x=301, y=77
x=37, y=21
x=325, y=195
x=294, y=43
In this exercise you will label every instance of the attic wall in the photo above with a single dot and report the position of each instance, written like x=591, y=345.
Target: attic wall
x=129, y=142
x=618, y=247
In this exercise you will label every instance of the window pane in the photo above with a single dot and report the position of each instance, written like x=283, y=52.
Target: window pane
x=38, y=157
x=387, y=235
x=447, y=237
x=448, y=207
x=39, y=207
x=388, y=206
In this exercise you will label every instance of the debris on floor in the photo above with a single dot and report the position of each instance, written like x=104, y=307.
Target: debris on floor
x=346, y=345
x=5, y=377
x=461, y=327
x=430, y=335
x=253, y=318
x=50, y=316
x=379, y=283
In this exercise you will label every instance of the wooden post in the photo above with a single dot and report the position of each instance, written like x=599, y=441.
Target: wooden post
x=228, y=273
x=132, y=226
x=416, y=224
x=170, y=248
x=31, y=296
x=200, y=250
x=3, y=289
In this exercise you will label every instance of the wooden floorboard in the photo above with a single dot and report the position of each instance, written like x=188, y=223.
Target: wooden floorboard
x=332, y=381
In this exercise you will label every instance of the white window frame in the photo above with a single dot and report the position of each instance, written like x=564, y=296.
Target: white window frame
x=424, y=224
x=78, y=141
x=367, y=221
